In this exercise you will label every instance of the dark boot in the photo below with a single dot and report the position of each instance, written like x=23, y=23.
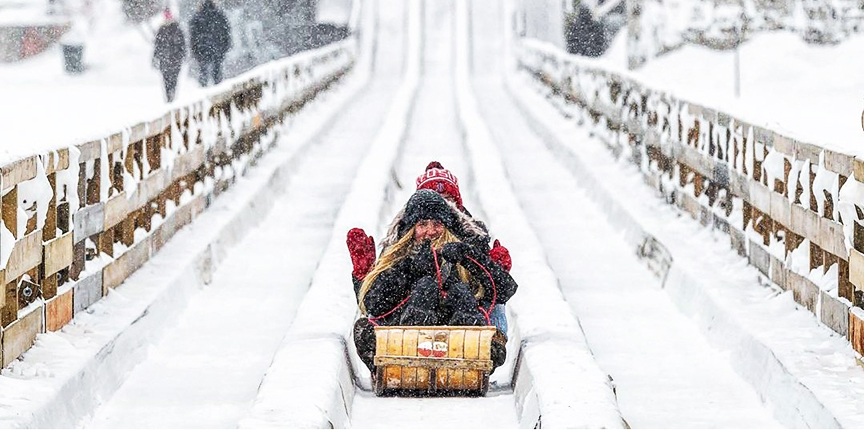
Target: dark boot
x=422, y=307
x=499, y=349
x=364, y=341
x=464, y=307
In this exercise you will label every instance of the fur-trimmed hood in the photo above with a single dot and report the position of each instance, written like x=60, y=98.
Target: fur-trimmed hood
x=467, y=229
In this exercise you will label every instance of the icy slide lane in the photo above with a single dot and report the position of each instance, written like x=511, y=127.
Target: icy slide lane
x=433, y=133
x=206, y=371
x=667, y=375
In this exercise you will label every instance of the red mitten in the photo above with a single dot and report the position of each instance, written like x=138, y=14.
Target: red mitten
x=362, y=250
x=500, y=255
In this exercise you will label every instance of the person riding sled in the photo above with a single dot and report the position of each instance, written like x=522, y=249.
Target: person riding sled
x=434, y=269
x=435, y=177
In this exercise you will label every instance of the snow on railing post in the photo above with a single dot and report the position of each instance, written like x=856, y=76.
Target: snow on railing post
x=76, y=222
x=792, y=208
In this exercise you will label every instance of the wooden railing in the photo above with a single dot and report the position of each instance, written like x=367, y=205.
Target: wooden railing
x=77, y=221
x=780, y=200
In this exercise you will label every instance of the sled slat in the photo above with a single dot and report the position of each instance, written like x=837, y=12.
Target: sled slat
x=472, y=345
x=486, y=344
x=433, y=363
x=456, y=350
x=393, y=374
x=471, y=380
x=409, y=348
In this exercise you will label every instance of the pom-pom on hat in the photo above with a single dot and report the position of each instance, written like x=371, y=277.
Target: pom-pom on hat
x=427, y=205
x=439, y=179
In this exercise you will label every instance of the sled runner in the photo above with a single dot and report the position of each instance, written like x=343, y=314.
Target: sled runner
x=433, y=359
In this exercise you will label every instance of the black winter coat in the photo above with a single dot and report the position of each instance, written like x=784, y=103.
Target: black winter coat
x=392, y=286
x=169, y=48
x=210, y=34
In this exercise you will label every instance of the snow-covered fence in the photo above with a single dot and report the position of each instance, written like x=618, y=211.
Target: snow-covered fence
x=794, y=209
x=77, y=221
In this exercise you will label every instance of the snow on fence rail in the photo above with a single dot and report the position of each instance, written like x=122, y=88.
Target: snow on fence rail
x=77, y=221
x=794, y=209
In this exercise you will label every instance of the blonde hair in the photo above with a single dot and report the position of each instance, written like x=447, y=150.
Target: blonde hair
x=397, y=252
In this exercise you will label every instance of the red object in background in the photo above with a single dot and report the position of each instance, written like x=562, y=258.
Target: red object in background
x=32, y=42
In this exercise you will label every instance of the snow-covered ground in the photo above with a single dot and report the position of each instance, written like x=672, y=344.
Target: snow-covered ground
x=814, y=93
x=677, y=352
x=206, y=371
x=44, y=108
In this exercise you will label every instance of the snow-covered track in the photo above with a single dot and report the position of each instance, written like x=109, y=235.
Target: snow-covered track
x=805, y=385
x=319, y=387
x=67, y=373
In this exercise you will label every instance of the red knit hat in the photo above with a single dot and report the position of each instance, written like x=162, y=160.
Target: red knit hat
x=437, y=178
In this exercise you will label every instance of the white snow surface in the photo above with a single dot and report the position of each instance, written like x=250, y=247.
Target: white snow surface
x=70, y=372
x=807, y=375
x=808, y=92
x=691, y=351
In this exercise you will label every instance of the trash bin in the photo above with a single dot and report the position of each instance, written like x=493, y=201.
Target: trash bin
x=72, y=58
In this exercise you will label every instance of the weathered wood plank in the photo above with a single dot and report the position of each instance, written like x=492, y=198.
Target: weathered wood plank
x=784, y=144
x=807, y=151
x=760, y=258
x=26, y=254
x=118, y=270
x=831, y=237
x=55, y=161
x=805, y=292
x=87, y=292
x=113, y=143
x=856, y=329
x=20, y=335
x=760, y=196
x=18, y=171
x=433, y=363
x=835, y=313
x=780, y=209
x=90, y=151
x=858, y=169
x=58, y=311
x=88, y=221
x=856, y=269
x=838, y=162
x=114, y=210
x=148, y=189
x=188, y=162
x=58, y=254
x=778, y=272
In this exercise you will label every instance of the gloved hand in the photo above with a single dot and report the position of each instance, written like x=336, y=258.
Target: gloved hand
x=362, y=250
x=501, y=255
x=420, y=264
x=455, y=252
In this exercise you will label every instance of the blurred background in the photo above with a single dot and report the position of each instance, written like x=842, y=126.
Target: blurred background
x=654, y=27
x=261, y=30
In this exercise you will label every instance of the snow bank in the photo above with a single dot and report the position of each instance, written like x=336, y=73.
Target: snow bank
x=801, y=369
x=557, y=379
x=67, y=373
x=310, y=383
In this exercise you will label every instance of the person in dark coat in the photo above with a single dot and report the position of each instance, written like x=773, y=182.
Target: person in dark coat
x=169, y=52
x=434, y=269
x=211, y=39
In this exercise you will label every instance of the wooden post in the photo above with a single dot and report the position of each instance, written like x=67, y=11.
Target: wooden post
x=10, y=211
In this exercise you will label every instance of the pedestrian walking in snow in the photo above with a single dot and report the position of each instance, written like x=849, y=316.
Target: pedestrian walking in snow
x=169, y=52
x=434, y=269
x=211, y=40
